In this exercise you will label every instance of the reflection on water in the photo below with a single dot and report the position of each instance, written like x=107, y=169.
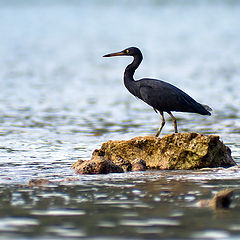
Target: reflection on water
x=137, y=205
x=60, y=100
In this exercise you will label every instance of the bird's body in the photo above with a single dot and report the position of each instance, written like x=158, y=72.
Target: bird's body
x=162, y=96
x=165, y=97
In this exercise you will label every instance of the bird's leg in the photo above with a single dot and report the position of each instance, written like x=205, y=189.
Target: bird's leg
x=174, y=121
x=162, y=124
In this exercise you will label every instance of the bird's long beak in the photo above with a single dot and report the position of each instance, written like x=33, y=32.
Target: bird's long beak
x=115, y=54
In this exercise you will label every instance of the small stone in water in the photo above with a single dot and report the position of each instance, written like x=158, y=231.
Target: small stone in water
x=39, y=182
x=221, y=199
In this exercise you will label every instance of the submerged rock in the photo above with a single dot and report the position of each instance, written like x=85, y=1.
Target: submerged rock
x=39, y=182
x=220, y=200
x=173, y=151
x=45, y=182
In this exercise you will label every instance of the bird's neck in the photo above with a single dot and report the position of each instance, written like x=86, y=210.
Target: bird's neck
x=129, y=82
x=130, y=69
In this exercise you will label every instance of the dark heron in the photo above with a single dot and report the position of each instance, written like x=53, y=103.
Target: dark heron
x=160, y=95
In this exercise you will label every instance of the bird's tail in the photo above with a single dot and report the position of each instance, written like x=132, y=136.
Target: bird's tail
x=206, y=107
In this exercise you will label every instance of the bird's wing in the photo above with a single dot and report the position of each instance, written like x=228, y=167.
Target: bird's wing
x=155, y=97
x=166, y=97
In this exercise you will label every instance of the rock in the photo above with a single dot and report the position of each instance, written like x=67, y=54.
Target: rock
x=100, y=165
x=220, y=200
x=77, y=163
x=173, y=151
x=39, y=182
x=138, y=165
x=125, y=164
x=97, y=165
x=69, y=179
x=44, y=181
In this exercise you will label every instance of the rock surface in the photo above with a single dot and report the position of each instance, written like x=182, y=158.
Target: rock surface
x=173, y=151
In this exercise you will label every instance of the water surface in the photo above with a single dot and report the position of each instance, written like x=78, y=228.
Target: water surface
x=60, y=100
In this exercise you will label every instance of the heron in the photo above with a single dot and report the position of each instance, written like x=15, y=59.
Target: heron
x=160, y=95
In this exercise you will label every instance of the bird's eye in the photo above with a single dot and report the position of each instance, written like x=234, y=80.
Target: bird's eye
x=127, y=51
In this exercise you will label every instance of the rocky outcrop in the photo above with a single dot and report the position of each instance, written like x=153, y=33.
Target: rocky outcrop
x=173, y=151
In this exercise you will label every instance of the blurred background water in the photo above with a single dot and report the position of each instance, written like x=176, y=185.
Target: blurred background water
x=60, y=100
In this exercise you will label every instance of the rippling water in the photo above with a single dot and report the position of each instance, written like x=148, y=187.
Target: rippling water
x=60, y=100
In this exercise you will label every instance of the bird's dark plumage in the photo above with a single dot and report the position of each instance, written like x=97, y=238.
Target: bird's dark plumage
x=162, y=96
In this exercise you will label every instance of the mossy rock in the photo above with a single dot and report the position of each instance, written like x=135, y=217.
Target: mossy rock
x=173, y=151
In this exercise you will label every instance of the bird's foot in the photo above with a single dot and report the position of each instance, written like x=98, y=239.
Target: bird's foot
x=156, y=135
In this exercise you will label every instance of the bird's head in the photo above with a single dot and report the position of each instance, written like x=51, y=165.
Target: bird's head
x=131, y=51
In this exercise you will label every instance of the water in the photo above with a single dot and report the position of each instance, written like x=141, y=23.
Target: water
x=60, y=100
